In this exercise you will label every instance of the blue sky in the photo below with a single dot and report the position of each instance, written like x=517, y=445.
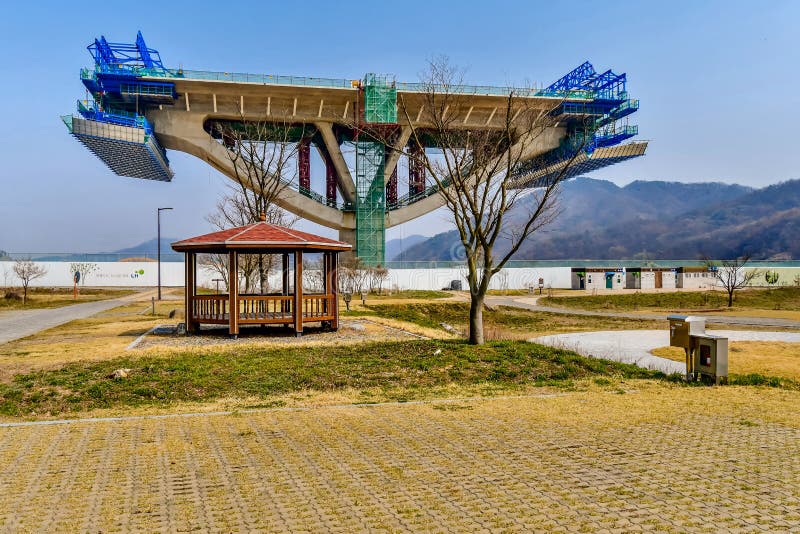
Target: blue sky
x=718, y=84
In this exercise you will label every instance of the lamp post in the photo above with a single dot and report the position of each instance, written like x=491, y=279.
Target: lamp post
x=159, y=249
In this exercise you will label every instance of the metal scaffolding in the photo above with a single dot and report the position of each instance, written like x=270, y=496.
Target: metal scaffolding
x=370, y=202
x=380, y=99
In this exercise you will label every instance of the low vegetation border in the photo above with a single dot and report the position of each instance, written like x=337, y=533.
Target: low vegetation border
x=206, y=375
x=782, y=298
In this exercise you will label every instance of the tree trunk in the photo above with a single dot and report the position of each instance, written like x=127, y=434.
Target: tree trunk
x=262, y=275
x=730, y=299
x=476, y=320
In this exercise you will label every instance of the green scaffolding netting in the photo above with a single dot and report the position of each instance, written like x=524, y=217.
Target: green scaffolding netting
x=380, y=99
x=371, y=202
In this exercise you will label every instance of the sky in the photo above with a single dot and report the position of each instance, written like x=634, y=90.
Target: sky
x=717, y=81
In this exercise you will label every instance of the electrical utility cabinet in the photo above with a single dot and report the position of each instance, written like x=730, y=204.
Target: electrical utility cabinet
x=682, y=328
x=711, y=358
x=706, y=355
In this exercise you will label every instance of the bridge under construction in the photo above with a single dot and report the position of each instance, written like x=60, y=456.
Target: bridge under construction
x=136, y=109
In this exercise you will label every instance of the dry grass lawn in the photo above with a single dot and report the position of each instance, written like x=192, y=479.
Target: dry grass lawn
x=102, y=336
x=748, y=357
x=55, y=297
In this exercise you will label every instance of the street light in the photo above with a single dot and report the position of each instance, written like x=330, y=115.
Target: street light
x=218, y=280
x=159, y=250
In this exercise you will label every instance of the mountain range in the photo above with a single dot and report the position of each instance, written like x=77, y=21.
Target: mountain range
x=643, y=220
x=150, y=247
x=653, y=220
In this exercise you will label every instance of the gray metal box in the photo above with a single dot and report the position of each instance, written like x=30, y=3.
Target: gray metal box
x=711, y=358
x=683, y=327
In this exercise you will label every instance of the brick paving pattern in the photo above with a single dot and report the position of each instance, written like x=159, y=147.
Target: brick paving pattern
x=488, y=465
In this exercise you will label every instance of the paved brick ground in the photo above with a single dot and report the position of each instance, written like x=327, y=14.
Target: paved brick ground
x=491, y=465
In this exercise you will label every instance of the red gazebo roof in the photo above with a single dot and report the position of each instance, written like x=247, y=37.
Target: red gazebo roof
x=261, y=235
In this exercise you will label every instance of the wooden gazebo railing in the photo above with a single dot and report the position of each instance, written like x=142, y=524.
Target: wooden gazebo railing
x=262, y=309
x=291, y=307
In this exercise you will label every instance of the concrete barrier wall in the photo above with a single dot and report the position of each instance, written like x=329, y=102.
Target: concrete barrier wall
x=117, y=274
x=144, y=274
x=515, y=278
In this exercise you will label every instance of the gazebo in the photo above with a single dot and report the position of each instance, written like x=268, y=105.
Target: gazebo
x=290, y=307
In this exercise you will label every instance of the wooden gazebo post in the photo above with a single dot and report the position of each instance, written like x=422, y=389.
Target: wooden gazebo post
x=233, y=293
x=297, y=307
x=190, y=263
x=335, y=289
x=332, y=287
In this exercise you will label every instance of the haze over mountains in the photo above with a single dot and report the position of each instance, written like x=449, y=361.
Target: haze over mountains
x=642, y=220
x=656, y=220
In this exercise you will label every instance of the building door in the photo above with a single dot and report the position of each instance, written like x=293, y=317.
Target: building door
x=659, y=279
x=609, y=281
x=583, y=284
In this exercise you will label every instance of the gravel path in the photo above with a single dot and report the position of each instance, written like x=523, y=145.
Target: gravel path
x=19, y=324
x=350, y=331
x=530, y=303
x=634, y=346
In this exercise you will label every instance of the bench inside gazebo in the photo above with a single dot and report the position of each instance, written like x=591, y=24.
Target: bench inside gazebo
x=291, y=307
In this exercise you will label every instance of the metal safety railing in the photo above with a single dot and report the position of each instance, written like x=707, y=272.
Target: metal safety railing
x=336, y=83
x=89, y=110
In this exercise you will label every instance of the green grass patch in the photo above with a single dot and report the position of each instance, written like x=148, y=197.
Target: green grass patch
x=502, y=318
x=783, y=298
x=756, y=379
x=264, y=372
x=409, y=294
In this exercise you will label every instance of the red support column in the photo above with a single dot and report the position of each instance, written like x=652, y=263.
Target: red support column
x=330, y=181
x=304, y=164
x=391, y=186
x=416, y=170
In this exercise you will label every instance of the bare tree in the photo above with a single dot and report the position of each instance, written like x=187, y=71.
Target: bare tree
x=731, y=275
x=232, y=211
x=377, y=277
x=479, y=172
x=7, y=275
x=353, y=275
x=84, y=268
x=27, y=271
x=262, y=155
x=313, y=275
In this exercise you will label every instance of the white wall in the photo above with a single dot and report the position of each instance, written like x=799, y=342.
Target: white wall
x=516, y=278
x=127, y=274
x=144, y=274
